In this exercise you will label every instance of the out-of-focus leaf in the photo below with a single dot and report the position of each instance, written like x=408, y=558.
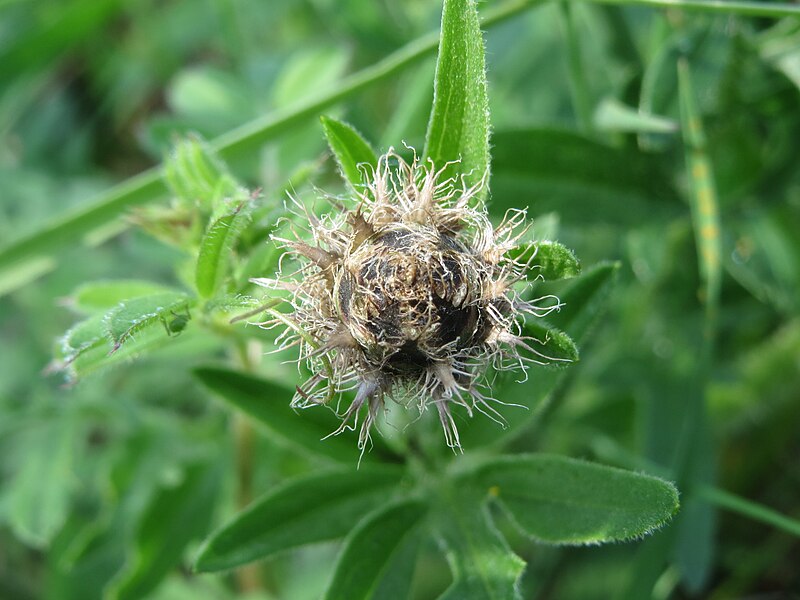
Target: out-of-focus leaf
x=550, y=170
x=566, y=501
x=351, y=150
x=269, y=404
x=458, y=129
x=582, y=298
x=313, y=508
x=482, y=564
x=195, y=173
x=39, y=494
x=381, y=547
x=613, y=115
x=24, y=272
x=98, y=296
x=176, y=516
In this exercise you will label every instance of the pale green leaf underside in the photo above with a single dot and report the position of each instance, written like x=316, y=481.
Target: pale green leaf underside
x=458, y=129
x=566, y=501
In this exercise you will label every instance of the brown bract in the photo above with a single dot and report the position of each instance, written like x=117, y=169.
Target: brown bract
x=409, y=294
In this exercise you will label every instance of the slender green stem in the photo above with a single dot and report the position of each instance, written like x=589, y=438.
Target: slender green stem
x=248, y=577
x=727, y=7
x=747, y=508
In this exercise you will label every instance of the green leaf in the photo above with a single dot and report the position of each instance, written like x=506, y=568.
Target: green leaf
x=82, y=337
x=39, y=494
x=566, y=501
x=176, y=516
x=216, y=248
x=458, y=129
x=554, y=347
x=314, y=508
x=482, y=564
x=351, y=150
x=371, y=554
x=547, y=260
x=97, y=296
x=131, y=316
x=269, y=404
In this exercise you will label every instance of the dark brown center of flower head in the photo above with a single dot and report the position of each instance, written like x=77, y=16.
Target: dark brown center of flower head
x=410, y=295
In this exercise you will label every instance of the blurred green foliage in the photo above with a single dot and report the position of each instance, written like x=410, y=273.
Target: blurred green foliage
x=110, y=483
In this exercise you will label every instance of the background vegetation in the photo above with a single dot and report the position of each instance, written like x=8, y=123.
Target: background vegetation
x=660, y=138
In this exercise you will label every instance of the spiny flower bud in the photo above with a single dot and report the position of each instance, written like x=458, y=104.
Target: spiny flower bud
x=408, y=294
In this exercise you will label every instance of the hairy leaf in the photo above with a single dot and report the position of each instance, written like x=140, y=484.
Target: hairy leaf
x=216, y=247
x=351, y=150
x=131, y=316
x=458, y=129
x=547, y=260
x=566, y=501
x=317, y=507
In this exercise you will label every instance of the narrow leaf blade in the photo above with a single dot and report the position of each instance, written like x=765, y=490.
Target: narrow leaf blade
x=458, y=129
x=351, y=150
x=566, y=501
x=314, y=508
x=216, y=247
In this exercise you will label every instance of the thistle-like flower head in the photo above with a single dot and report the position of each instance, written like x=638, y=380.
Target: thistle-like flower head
x=408, y=293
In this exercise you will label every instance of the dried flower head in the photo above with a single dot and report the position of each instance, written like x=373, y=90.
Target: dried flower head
x=408, y=294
